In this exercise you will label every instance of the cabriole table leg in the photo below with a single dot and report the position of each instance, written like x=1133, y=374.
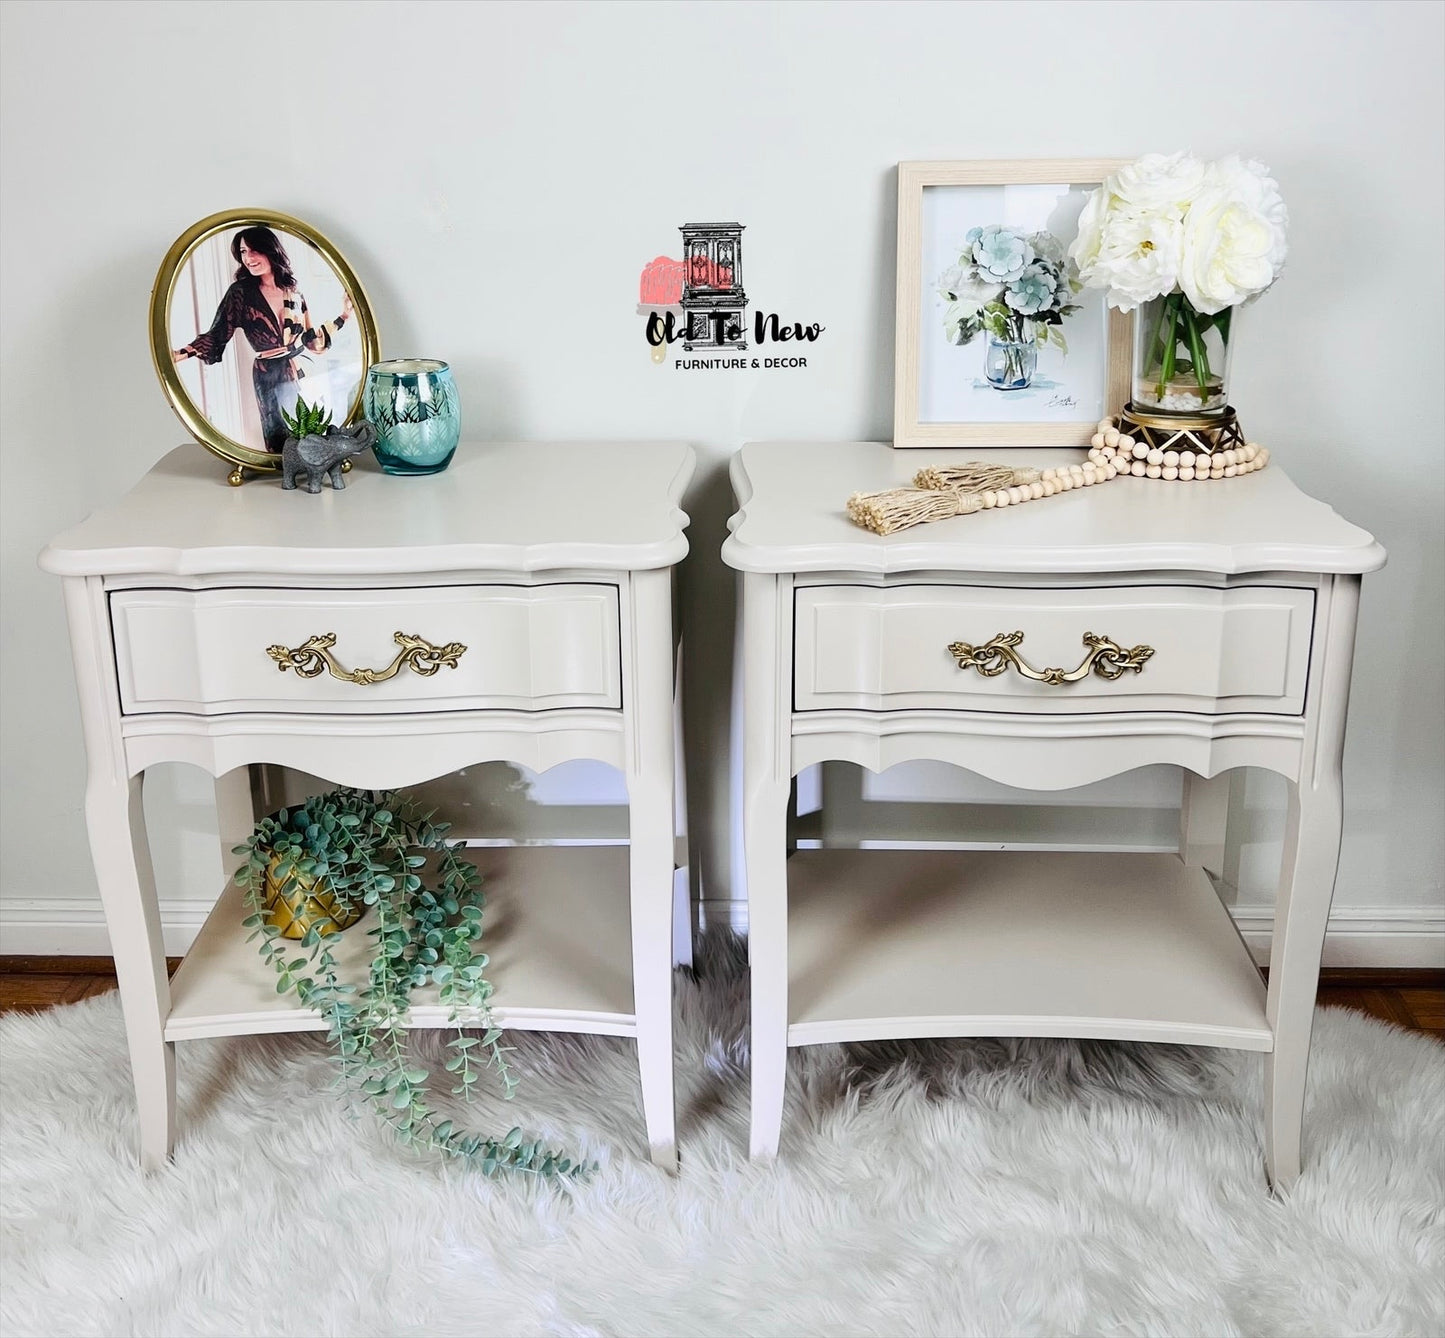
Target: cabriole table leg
x=1307, y=883
x=651, y=792
x=765, y=632
x=115, y=819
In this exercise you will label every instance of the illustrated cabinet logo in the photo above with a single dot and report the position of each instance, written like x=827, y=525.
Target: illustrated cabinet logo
x=700, y=301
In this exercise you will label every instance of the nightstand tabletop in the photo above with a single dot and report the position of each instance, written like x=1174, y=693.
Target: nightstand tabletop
x=791, y=518
x=516, y=506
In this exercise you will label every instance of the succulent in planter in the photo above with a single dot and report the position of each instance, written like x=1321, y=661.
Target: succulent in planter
x=318, y=449
x=312, y=871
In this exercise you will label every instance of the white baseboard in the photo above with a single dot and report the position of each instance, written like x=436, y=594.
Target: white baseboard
x=1389, y=937
x=75, y=926
x=1386, y=937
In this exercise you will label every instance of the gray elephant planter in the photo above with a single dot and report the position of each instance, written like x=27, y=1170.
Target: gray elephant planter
x=319, y=455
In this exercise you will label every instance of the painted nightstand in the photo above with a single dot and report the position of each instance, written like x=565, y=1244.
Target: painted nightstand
x=551, y=564
x=1247, y=593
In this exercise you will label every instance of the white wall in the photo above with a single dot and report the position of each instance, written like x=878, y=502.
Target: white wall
x=498, y=175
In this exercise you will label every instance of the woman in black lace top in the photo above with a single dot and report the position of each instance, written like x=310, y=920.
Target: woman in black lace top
x=266, y=306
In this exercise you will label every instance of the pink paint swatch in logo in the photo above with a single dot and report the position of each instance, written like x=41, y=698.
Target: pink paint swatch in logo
x=664, y=279
x=662, y=282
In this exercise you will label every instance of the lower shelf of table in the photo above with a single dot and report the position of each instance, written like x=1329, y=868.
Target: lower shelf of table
x=557, y=932
x=888, y=944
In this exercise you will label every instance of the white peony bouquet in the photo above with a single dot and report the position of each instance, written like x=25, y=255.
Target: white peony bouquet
x=1189, y=241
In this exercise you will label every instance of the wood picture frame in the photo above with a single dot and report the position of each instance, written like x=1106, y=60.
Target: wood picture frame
x=228, y=362
x=941, y=399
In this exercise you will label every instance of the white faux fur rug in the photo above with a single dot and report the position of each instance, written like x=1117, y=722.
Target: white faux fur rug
x=983, y=1187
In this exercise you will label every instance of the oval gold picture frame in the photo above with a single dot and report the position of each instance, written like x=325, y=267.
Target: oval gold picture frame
x=197, y=424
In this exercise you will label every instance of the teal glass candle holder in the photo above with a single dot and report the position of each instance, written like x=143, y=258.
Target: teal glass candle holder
x=412, y=404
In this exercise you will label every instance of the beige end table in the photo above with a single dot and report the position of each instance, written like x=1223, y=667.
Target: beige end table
x=1247, y=592
x=552, y=564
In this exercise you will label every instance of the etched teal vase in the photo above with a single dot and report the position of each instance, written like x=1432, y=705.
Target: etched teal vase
x=412, y=404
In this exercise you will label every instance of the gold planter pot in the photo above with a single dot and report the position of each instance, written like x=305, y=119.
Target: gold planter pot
x=309, y=901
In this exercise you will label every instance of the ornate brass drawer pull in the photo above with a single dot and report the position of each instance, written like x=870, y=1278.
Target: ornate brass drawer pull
x=314, y=655
x=1106, y=658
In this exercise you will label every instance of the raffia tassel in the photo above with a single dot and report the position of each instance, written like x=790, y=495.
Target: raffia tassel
x=900, y=508
x=974, y=476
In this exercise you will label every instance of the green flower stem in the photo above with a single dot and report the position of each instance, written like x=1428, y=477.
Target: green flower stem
x=1166, y=362
x=1156, y=342
x=1196, y=351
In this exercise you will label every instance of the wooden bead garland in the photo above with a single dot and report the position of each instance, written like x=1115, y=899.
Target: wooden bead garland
x=959, y=490
x=937, y=498
x=1110, y=446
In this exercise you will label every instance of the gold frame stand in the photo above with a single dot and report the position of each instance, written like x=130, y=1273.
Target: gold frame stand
x=1204, y=434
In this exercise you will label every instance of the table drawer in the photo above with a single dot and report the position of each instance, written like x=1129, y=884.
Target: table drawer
x=437, y=648
x=1244, y=648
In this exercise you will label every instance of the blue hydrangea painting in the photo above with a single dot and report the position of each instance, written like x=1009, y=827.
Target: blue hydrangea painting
x=1017, y=289
x=1006, y=336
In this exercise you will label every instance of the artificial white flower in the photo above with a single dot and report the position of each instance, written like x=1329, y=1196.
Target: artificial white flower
x=1234, y=236
x=1249, y=182
x=1089, y=239
x=1170, y=223
x=1158, y=182
x=1226, y=254
x=1138, y=259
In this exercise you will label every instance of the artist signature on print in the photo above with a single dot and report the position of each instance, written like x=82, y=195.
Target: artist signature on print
x=1063, y=402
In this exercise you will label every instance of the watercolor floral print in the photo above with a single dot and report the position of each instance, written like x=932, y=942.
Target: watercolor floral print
x=1014, y=287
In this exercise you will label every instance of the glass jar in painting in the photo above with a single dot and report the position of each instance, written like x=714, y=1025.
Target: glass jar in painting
x=1012, y=355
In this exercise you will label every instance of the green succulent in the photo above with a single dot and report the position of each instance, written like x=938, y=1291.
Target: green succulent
x=379, y=852
x=311, y=420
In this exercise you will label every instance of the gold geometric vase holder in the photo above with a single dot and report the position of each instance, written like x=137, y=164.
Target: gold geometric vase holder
x=1204, y=434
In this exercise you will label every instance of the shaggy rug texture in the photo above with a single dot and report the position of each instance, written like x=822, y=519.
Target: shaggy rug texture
x=964, y=1187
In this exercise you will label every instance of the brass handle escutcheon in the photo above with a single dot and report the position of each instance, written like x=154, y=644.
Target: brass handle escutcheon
x=1106, y=658
x=313, y=655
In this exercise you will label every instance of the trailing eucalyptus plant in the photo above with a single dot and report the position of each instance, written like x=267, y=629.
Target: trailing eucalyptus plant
x=377, y=850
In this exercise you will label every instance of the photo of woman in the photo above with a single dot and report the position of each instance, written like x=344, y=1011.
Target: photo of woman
x=265, y=305
x=258, y=311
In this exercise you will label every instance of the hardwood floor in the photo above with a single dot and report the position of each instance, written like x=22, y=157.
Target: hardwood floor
x=1414, y=1000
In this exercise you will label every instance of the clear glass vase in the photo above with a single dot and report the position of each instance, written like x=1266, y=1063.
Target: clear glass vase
x=1181, y=357
x=1010, y=362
